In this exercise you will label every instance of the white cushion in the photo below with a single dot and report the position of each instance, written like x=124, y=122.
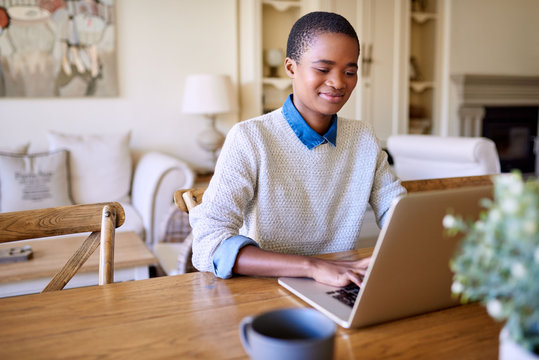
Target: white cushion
x=100, y=165
x=34, y=181
x=167, y=254
x=15, y=149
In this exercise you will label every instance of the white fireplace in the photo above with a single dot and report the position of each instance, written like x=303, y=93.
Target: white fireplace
x=481, y=95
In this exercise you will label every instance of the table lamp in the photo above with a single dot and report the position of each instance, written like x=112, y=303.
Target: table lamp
x=274, y=58
x=209, y=95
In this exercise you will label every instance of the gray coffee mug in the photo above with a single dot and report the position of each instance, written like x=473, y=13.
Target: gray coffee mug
x=286, y=334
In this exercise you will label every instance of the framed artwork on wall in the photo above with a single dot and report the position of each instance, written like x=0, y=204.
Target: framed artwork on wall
x=58, y=48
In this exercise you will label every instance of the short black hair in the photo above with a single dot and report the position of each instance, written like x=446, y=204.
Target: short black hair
x=306, y=28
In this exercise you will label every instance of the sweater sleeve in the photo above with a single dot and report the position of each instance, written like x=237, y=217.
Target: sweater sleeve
x=231, y=189
x=386, y=187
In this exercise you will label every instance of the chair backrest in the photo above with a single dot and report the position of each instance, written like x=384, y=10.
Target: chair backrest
x=428, y=157
x=100, y=219
x=186, y=199
x=446, y=183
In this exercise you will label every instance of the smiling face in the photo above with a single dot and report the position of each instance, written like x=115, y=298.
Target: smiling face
x=324, y=77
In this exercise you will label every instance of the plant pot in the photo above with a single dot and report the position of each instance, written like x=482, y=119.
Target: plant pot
x=510, y=350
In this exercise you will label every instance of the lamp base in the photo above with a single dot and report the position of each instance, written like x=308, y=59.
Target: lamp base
x=274, y=71
x=211, y=140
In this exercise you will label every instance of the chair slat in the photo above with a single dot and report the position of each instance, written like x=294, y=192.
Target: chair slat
x=73, y=219
x=100, y=219
x=60, y=280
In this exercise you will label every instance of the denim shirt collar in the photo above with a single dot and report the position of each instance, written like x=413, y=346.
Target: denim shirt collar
x=303, y=131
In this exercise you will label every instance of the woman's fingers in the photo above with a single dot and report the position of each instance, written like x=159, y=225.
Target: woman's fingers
x=341, y=273
x=356, y=272
x=355, y=277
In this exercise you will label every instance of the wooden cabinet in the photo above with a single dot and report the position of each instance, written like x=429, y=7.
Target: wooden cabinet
x=404, y=77
x=382, y=89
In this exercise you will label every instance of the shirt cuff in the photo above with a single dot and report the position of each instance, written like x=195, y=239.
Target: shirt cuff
x=225, y=255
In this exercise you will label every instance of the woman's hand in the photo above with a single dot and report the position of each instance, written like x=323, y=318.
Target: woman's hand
x=339, y=272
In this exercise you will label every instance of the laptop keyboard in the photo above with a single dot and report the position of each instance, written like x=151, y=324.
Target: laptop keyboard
x=347, y=295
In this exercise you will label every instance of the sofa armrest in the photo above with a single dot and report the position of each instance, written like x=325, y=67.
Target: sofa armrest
x=155, y=179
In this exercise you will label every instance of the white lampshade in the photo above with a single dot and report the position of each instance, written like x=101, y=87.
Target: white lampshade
x=274, y=57
x=208, y=94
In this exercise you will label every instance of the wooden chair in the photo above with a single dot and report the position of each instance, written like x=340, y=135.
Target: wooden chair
x=187, y=199
x=447, y=183
x=100, y=219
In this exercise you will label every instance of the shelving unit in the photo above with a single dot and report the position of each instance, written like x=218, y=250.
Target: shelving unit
x=282, y=5
x=422, y=17
x=391, y=32
x=423, y=67
x=265, y=25
x=277, y=19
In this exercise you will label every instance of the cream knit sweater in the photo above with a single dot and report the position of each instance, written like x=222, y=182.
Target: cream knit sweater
x=270, y=187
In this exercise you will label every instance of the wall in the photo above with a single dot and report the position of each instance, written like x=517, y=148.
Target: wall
x=497, y=37
x=159, y=43
x=162, y=41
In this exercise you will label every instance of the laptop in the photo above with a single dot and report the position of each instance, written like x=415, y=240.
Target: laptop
x=409, y=272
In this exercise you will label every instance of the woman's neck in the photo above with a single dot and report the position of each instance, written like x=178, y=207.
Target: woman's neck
x=320, y=124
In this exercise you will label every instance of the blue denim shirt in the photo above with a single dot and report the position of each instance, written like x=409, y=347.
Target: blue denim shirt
x=225, y=255
x=303, y=131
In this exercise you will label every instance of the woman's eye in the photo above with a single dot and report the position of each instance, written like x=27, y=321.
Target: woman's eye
x=351, y=73
x=325, y=71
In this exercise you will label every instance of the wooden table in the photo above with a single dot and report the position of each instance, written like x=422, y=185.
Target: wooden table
x=196, y=316
x=131, y=262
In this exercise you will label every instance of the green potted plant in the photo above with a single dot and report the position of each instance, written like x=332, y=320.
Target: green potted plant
x=497, y=262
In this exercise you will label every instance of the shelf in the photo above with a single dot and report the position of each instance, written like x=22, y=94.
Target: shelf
x=282, y=5
x=279, y=83
x=420, y=86
x=423, y=17
x=419, y=126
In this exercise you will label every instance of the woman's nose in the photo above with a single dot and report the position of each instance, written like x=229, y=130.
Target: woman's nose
x=336, y=80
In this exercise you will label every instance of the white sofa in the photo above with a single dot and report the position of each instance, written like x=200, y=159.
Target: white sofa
x=427, y=157
x=155, y=178
x=85, y=169
x=418, y=157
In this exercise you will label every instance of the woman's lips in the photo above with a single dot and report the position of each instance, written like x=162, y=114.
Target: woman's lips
x=332, y=97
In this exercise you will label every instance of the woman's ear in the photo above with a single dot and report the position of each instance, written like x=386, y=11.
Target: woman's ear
x=290, y=67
